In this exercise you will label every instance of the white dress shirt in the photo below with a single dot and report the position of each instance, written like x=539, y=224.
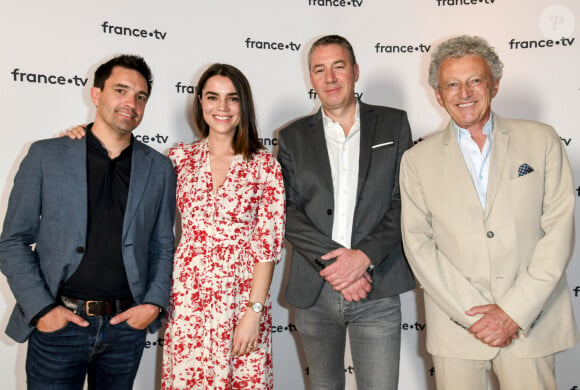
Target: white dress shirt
x=477, y=161
x=343, y=153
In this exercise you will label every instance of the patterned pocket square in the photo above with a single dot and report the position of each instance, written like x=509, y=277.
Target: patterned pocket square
x=524, y=169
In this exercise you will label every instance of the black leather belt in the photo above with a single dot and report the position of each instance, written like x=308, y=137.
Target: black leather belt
x=97, y=308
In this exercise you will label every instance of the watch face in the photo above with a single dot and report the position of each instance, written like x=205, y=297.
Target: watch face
x=257, y=307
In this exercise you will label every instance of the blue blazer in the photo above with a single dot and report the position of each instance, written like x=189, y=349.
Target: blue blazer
x=45, y=229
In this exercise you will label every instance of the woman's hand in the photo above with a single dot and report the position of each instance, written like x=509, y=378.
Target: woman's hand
x=246, y=333
x=76, y=132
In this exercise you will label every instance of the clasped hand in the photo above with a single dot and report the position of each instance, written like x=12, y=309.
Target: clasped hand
x=348, y=274
x=495, y=328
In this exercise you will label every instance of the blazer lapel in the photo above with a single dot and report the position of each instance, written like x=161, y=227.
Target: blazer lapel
x=499, y=148
x=140, y=169
x=455, y=170
x=315, y=138
x=74, y=159
x=368, y=123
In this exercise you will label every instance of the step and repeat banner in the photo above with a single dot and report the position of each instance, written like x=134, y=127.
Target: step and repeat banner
x=50, y=50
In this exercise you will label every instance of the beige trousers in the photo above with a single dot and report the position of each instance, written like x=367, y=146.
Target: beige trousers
x=513, y=373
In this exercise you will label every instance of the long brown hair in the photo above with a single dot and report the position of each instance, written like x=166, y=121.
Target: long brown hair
x=246, y=140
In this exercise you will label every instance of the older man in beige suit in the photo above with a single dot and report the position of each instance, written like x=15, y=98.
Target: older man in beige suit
x=488, y=228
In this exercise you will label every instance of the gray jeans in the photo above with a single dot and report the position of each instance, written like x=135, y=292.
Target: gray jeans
x=374, y=329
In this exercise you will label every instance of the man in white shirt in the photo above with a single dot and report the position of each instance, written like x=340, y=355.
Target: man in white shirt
x=340, y=170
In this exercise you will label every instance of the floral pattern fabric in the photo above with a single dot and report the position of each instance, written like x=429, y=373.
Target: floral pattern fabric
x=224, y=233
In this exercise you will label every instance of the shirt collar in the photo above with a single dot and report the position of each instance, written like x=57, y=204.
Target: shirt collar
x=461, y=132
x=94, y=144
x=327, y=122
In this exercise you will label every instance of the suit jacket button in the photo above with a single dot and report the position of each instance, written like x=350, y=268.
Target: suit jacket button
x=80, y=249
x=329, y=211
x=490, y=234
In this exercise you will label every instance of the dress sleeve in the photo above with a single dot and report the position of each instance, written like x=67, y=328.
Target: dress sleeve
x=176, y=155
x=268, y=236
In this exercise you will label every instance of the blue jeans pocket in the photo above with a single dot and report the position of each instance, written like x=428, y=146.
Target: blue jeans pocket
x=125, y=324
x=55, y=332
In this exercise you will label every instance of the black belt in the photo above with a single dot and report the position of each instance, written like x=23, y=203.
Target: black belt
x=97, y=308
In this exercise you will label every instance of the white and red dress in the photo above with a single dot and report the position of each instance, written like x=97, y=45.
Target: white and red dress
x=223, y=234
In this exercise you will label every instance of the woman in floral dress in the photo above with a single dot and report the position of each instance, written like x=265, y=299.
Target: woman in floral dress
x=231, y=198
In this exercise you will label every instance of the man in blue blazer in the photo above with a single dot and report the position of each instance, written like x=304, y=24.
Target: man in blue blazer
x=340, y=170
x=88, y=242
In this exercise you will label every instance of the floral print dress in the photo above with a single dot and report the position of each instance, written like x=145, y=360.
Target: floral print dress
x=224, y=233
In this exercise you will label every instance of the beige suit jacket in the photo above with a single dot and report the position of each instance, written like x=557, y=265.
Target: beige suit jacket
x=514, y=253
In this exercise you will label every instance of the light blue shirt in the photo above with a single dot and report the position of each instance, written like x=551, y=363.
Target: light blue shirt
x=477, y=161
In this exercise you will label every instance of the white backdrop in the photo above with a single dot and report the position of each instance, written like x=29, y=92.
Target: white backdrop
x=49, y=51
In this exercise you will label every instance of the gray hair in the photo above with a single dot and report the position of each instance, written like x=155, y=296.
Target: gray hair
x=461, y=46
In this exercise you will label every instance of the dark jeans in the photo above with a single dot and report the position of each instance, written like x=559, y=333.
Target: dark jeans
x=60, y=360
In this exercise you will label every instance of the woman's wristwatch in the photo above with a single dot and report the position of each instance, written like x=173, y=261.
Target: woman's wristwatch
x=257, y=307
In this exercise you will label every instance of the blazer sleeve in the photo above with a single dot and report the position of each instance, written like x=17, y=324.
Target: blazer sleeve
x=387, y=234
x=162, y=244
x=440, y=279
x=18, y=259
x=524, y=302
x=301, y=232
